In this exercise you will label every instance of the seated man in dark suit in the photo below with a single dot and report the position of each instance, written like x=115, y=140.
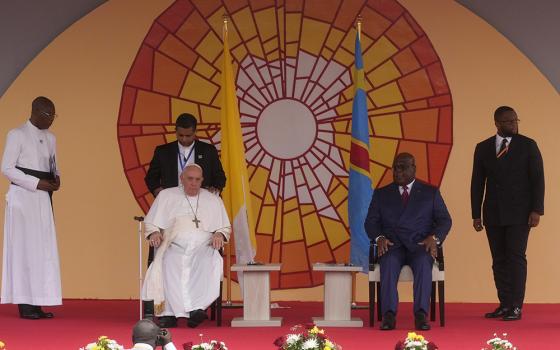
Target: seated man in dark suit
x=407, y=219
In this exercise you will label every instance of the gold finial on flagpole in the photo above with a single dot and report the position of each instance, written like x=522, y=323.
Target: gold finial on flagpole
x=359, y=21
x=225, y=18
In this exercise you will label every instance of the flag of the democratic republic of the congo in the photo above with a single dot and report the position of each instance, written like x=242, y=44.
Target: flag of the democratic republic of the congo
x=359, y=188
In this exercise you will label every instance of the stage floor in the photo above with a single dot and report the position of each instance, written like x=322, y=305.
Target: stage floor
x=79, y=322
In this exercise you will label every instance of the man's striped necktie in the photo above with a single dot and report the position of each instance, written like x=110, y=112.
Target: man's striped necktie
x=503, y=148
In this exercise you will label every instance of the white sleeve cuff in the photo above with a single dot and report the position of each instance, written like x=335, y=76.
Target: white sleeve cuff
x=149, y=229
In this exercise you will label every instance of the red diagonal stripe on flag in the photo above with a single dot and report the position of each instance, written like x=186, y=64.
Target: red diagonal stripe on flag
x=359, y=157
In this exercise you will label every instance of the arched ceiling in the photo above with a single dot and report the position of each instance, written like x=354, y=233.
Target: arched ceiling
x=27, y=27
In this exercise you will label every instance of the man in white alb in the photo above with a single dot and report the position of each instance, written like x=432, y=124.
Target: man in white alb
x=30, y=270
x=187, y=225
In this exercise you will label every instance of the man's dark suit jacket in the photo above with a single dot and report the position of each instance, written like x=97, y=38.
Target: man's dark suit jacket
x=164, y=168
x=425, y=214
x=514, y=182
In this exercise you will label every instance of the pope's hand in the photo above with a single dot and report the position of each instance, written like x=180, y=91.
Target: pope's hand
x=217, y=240
x=155, y=239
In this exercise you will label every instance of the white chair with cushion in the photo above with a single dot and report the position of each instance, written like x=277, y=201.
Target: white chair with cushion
x=438, y=276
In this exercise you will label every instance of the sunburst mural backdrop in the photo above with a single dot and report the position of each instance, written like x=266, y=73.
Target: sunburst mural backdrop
x=294, y=83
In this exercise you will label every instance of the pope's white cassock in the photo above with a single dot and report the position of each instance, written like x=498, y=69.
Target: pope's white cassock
x=30, y=270
x=186, y=272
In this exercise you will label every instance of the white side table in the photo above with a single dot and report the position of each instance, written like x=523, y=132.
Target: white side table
x=338, y=296
x=256, y=296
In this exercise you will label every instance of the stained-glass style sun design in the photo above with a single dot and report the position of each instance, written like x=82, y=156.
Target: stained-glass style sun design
x=293, y=60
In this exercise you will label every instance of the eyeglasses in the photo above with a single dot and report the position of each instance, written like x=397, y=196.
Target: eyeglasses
x=510, y=122
x=53, y=116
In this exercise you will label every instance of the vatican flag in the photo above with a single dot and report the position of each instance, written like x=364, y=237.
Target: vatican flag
x=236, y=194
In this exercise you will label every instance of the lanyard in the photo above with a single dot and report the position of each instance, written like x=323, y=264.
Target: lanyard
x=182, y=160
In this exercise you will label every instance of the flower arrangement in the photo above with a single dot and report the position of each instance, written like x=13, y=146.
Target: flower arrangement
x=103, y=343
x=498, y=343
x=213, y=345
x=306, y=337
x=415, y=341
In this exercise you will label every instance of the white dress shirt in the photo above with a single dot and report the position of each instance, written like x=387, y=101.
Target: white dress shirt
x=408, y=187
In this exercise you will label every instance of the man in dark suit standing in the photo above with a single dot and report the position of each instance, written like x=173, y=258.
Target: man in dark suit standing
x=508, y=173
x=170, y=159
x=407, y=219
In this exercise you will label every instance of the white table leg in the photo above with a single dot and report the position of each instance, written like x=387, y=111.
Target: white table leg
x=256, y=301
x=338, y=301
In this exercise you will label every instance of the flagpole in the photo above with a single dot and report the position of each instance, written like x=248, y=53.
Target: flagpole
x=359, y=26
x=359, y=29
x=228, y=257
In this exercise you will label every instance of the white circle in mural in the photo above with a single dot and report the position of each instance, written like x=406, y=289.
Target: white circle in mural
x=286, y=129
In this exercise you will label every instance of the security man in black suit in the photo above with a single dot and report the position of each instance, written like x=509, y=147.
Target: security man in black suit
x=170, y=159
x=508, y=173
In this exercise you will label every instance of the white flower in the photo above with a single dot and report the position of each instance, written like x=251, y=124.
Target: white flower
x=205, y=346
x=292, y=338
x=111, y=344
x=114, y=346
x=310, y=344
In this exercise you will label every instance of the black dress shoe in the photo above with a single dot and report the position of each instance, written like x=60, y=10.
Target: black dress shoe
x=43, y=314
x=30, y=316
x=513, y=315
x=389, y=322
x=420, y=322
x=167, y=322
x=196, y=317
x=28, y=312
x=499, y=312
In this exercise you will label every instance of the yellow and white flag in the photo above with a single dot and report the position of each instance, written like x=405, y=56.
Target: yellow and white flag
x=236, y=194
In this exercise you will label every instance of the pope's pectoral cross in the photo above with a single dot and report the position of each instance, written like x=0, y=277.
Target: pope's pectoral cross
x=196, y=221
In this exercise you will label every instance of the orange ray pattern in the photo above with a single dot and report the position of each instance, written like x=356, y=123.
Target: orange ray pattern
x=293, y=62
